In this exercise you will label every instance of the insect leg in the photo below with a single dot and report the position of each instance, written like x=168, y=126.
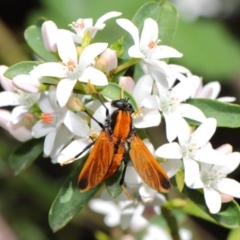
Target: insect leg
x=85, y=149
x=100, y=99
x=91, y=116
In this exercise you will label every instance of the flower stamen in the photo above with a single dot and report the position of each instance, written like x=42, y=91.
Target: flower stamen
x=46, y=118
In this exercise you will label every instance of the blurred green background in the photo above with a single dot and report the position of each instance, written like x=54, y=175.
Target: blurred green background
x=211, y=48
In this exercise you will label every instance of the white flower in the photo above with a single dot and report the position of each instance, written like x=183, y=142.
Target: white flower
x=84, y=25
x=124, y=212
x=67, y=155
x=211, y=90
x=178, y=73
x=191, y=148
x=146, y=116
x=213, y=179
x=14, y=97
x=71, y=69
x=146, y=48
x=170, y=103
x=58, y=124
x=155, y=232
x=19, y=130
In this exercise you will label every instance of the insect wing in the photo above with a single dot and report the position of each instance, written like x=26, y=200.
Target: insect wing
x=98, y=162
x=147, y=167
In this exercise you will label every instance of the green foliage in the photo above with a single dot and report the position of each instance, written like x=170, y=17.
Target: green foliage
x=20, y=68
x=25, y=155
x=69, y=200
x=209, y=49
x=226, y=114
x=113, y=183
x=228, y=216
x=33, y=36
x=113, y=91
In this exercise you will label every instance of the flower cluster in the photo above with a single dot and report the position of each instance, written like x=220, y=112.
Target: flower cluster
x=51, y=100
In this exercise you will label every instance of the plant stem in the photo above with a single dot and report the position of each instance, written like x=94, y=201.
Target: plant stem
x=172, y=223
x=126, y=65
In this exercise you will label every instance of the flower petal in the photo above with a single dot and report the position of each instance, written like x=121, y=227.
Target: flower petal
x=150, y=118
x=76, y=124
x=9, y=99
x=212, y=199
x=229, y=186
x=143, y=88
x=95, y=77
x=161, y=52
x=191, y=112
x=50, y=69
x=130, y=28
x=41, y=129
x=169, y=151
x=18, y=113
x=69, y=152
x=109, y=209
x=90, y=52
x=107, y=16
x=66, y=47
x=64, y=90
x=187, y=88
x=171, y=166
x=191, y=169
x=171, y=121
x=49, y=142
x=204, y=132
x=134, y=52
x=63, y=137
x=183, y=131
x=149, y=32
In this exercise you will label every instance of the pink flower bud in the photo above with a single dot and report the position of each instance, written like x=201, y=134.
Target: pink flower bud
x=127, y=83
x=27, y=83
x=18, y=131
x=49, y=34
x=107, y=60
x=5, y=82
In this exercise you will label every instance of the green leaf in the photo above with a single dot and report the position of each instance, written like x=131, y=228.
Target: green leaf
x=234, y=234
x=113, y=91
x=228, y=216
x=69, y=200
x=216, y=52
x=33, y=36
x=113, y=183
x=180, y=180
x=226, y=114
x=24, y=156
x=20, y=68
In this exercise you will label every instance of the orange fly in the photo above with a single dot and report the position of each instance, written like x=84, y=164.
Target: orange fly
x=109, y=150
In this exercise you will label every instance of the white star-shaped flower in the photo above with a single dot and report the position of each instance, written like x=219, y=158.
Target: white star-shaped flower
x=191, y=148
x=213, y=179
x=72, y=69
x=171, y=104
x=211, y=90
x=15, y=97
x=146, y=47
x=84, y=25
x=57, y=123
